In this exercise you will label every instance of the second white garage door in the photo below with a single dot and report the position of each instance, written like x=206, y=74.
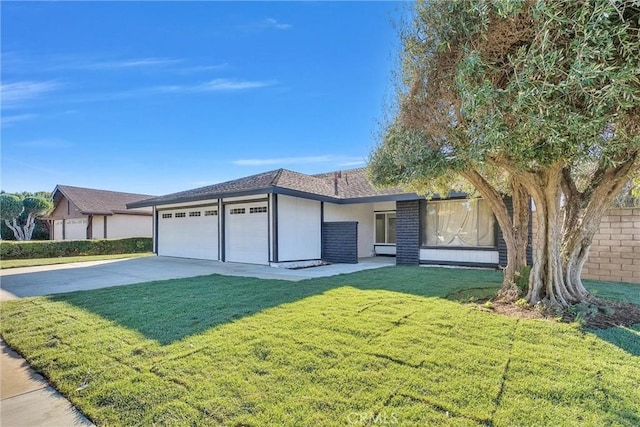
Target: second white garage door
x=189, y=233
x=247, y=233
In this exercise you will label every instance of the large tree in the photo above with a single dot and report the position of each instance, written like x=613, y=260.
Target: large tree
x=538, y=99
x=20, y=214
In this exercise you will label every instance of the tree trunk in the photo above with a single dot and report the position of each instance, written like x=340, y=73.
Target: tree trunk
x=29, y=226
x=514, y=227
x=17, y=231
x=567, y=222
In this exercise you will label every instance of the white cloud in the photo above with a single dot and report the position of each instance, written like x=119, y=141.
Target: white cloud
x=17, y=92
x=272, y=23
x=215, y=85
x=281, y=161
x=266, y=24
x=10, y=120
x=127, y=63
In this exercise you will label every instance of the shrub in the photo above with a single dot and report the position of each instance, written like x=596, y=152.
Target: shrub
x=64, y=248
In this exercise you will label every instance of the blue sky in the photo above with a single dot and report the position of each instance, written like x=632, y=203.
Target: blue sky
x=157, y=97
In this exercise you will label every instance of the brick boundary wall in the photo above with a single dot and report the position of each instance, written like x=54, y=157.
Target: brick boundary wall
x=615, y=253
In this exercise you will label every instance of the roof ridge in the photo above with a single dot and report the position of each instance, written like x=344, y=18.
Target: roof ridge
x=275, y=179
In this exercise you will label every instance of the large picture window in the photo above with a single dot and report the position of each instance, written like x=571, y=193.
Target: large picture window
x=386, y=228
x=458, y=223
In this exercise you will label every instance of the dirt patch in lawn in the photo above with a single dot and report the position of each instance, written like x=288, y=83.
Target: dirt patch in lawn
x=603, y=314
x=594, y=314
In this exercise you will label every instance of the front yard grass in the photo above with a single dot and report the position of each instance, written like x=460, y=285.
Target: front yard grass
x=15, y=263
x=374, y=347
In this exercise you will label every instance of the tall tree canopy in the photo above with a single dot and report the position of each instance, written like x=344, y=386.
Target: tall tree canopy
x=20, y=213
x=537, y=99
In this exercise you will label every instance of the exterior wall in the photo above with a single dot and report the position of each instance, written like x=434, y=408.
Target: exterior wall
x=362, y=213
x=459, y=256
x=615, y=252
x=408, y=232
x=120, y=226
x=340, y=242
x=299, y=229
x=64, y=211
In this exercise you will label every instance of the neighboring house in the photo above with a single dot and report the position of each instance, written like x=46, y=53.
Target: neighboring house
x=285, y=218
x=85, y=213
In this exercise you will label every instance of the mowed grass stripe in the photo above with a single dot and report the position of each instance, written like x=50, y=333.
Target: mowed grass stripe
x=343, y=350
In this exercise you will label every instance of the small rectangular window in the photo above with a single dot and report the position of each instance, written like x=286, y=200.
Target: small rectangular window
x=237, y=211
x=211, y=212
x=385, y=228
x=167, y=215
x=196, y=213
x=180, y=214
x=260, y=209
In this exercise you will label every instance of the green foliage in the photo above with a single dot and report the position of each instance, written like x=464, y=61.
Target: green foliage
x=523, y=279
x=10, y=206
x=37, y=205
x=19, y=206
x=583, y=311
x=523, y=303
x=217, y=350
x=67, y=248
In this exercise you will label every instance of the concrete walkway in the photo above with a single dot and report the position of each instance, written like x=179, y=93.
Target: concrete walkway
x=27, y=399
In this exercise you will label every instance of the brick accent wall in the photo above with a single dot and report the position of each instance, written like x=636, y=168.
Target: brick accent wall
x=615, y=253
x=408, y=232
x=340, y=242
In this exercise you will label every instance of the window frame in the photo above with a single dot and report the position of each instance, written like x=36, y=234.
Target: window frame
x=423, y=229
x=386, y=228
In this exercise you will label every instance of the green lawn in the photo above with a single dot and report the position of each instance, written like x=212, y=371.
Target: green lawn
x=369, y=348
x=14, y=263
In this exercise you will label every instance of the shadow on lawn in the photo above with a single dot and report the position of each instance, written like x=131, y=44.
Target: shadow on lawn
x=168, y=311
x=627, y=339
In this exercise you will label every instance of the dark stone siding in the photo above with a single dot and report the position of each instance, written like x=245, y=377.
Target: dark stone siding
x=502, y=246
x=408, y=232
x=340, y=242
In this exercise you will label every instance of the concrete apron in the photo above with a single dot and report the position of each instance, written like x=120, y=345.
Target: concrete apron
x=26, y=397
x=52, y=279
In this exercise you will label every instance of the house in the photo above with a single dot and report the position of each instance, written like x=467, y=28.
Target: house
x=286, y=218
x=86, y=213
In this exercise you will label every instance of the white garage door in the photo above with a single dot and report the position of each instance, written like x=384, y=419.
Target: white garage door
x=189, y=232
x=247, y=233
x=75, y=229
x=57, y=229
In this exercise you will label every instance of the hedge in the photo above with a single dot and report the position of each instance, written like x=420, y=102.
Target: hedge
x=61, y=248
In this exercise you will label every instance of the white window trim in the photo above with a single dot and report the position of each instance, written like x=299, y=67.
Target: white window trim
x=386, y=228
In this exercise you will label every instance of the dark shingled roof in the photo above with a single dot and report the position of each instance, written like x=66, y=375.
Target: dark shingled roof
x=98, y=202
x=353, y=184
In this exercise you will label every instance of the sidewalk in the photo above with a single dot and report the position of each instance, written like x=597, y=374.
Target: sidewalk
x=28, y=400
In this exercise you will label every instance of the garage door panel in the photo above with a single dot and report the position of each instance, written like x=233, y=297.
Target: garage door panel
x=189, y=233
x=247, y=233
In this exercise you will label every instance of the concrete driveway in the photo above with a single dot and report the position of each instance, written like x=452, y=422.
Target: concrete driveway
x=52, y=279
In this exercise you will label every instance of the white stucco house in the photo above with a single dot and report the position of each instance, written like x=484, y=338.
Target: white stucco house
x=286, y=218
x=86, y=213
